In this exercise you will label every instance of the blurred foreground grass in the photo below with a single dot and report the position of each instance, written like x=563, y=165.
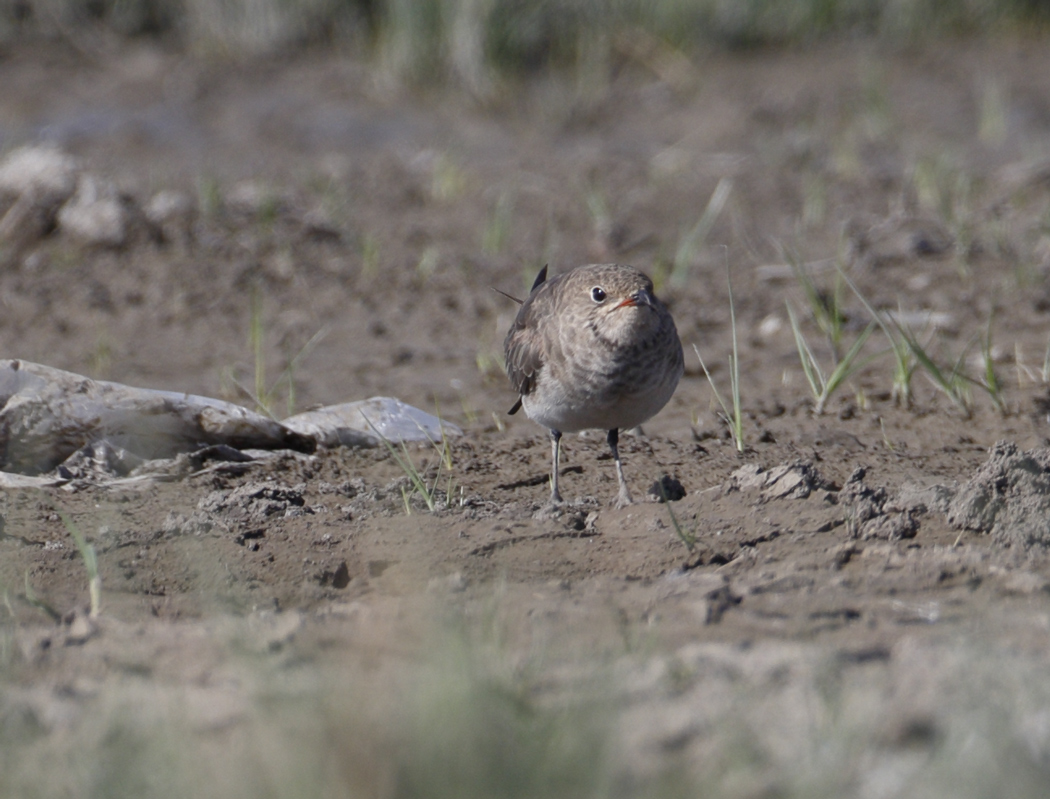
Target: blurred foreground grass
x=936, y=715
x=468, y=39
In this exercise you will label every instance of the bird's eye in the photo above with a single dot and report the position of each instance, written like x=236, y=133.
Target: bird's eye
x=598, y=294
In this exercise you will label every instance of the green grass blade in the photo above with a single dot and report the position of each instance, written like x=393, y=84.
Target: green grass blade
x=287, y=376
x=711, y=381
x=734, y=369
x=991, y=380
x=809, y=364
x=947, y=384
x=256, y=336
x=694, y=239
x=409, y=468
x=847, y=367
x=38, y=603
x=828, y=317
x=90, y=558
x=687, y=537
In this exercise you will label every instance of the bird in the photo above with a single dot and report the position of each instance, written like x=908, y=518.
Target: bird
x=592, y=348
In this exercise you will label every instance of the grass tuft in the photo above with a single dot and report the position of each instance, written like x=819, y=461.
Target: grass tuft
x=952, y=381
x=904, y=360
x=434, y=496
x=823, y=386
x=1039, y=375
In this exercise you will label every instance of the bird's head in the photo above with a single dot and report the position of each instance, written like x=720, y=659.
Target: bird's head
x=618, y=300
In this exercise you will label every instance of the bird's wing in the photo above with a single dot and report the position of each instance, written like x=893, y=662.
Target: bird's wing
x=522, y=352
x=522, y=349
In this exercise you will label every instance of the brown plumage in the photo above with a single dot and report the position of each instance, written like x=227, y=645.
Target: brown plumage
x=593, y=348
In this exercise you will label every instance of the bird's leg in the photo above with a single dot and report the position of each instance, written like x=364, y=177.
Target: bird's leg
x=555, y=451
x=623, y=498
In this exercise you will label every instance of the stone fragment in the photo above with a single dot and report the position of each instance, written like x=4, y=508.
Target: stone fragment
x=96, y=214
x=794, y=480
x=43, y=172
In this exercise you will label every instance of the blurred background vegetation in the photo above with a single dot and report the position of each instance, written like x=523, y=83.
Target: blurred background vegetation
x=472, y=40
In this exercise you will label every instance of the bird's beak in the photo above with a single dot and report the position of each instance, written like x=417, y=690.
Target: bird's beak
x=640, y=297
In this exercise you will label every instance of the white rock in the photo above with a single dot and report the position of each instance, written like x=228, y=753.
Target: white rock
x=25, y=221
x=34, y=182
x=171, y=213
x=38, y=170
x=47, y=414
x=770, y=326
x=168, y=206
x=360, y=424
x=252, y=198
x=95, y=214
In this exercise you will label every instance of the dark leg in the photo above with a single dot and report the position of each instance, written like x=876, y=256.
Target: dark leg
x=623, y=497
x=555, y=452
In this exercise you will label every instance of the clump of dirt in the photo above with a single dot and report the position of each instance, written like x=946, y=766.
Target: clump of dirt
x=666, y=489
x=870, y=513
x=255, y=503
x=796, y=480
x=1009, y=497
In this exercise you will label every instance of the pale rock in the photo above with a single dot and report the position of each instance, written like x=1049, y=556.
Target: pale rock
x=96, y=213
x=42, y=171
x=169, y=207
x=34, y=182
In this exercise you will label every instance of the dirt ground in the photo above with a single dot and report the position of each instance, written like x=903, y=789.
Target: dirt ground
x=372, y=221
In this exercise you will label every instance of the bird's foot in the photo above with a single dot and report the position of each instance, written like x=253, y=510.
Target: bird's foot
x=623, y=499
x=554, y=508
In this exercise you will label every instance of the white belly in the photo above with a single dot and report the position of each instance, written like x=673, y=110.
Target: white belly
x=556, y=410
